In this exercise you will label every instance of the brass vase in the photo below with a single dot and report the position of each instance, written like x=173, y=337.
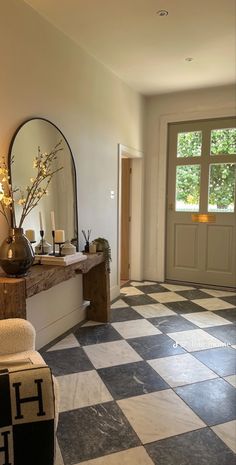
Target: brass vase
x=16, y=253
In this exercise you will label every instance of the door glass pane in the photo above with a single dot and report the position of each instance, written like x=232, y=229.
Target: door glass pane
x=221, y=193
x=187, y=188
x=223, y=141
x=189, y=144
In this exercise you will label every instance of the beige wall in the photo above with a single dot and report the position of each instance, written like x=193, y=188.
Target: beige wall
x=160, y=110
x=45, y=74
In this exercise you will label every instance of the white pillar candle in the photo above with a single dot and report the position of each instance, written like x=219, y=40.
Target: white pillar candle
x=40, y=221
x=30, y=234
x=59, y=236
x=53, y=221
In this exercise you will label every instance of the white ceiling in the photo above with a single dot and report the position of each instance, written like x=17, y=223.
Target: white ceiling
x=147, y=51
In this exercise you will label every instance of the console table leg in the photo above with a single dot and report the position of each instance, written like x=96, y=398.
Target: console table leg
x=96, y=288
x=12, y=298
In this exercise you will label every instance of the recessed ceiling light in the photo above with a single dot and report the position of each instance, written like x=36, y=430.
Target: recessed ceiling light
x=162, y=13
x=189, y=59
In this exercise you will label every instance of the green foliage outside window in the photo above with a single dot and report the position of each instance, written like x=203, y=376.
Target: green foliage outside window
x=222, y=184
x=221, y=176
x=187, y=184
x=223, y=141
x=189, y=144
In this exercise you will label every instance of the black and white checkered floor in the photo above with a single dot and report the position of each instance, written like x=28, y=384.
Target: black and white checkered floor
x=156, y=386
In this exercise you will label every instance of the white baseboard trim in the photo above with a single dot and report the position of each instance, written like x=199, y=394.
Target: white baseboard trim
x=115, y=291
x=60, y=326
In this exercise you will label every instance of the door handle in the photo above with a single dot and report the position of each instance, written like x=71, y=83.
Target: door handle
x=171, y=206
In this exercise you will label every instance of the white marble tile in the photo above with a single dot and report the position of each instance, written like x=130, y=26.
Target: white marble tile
x=194, y=340
x=159, y=415
x=143, y=283
x=67, y=343
x=82, y=389
x=134, y=456
x=59, y=459
x=227, y=433
x=109, y=354
x=153, y=310
x=91, y=323
x=179, y=370
x=135, y=328
x=176, y=287
x=165, y=297
x=231, y=379
x=206, y=319
x=216, y=293
x=213, y=303
x=131, y=291
x=119, y=304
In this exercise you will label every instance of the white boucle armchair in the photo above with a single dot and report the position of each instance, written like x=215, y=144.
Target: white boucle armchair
x=17, y=340
x=17, y=345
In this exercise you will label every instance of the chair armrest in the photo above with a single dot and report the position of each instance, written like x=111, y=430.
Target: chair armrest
x=16, y=335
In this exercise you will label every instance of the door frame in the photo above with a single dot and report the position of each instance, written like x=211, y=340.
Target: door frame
x=136, y=212
x=162, y=174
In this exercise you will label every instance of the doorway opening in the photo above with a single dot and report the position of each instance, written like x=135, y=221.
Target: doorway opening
x=126, y=172
x=130, y=220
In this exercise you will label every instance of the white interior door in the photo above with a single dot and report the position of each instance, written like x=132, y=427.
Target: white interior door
x=201, y=217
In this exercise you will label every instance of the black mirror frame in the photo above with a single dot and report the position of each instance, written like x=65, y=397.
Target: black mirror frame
x=75, y=240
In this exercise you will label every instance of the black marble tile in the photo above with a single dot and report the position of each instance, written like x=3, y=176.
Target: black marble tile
x=222, y=360
x=214, y=401
x=229, y=314
x=230, y=299
x=132, y=379
x=150, y=288
x=66, y=361
x=202, y=447
x=193, y=294
x=142, y=299
x=91, y=432
x=124, y=314
x=96, y=334
x=184, y=306
x=171, y=324
x=225, y=333
x=160, y=345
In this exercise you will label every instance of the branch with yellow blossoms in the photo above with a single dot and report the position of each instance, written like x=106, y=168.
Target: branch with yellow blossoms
x=32, y=194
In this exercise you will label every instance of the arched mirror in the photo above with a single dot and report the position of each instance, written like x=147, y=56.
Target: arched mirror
x=62, y=196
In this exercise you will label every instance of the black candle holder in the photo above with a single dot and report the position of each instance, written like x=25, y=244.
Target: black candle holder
x=53, y=244
x=59, y=254
x=42, y=252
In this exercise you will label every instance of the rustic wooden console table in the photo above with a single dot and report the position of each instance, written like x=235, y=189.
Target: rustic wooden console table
x=96, y=287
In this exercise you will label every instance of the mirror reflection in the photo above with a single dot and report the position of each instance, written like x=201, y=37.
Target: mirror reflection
x=61, y=197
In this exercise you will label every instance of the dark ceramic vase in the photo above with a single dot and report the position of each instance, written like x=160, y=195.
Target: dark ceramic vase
x=16, y=253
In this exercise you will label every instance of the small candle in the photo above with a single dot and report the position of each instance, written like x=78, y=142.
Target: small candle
x=30, y=234
x=40, y=221
x=59, y=236
x=53, y=221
